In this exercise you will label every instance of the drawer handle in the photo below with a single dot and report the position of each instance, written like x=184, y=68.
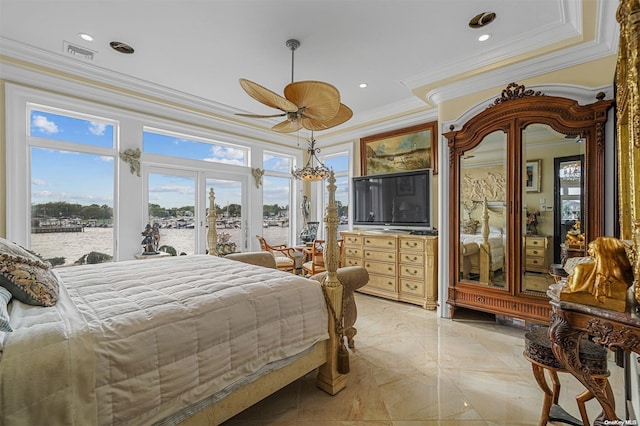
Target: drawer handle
x=414, y=287
x=415, y=244
x=368, y=254
x=368, y=241
x=389, y=243
x=390, y=268
x=535, y=261
x=410, y=272
x=390, y=256
x=535, y=252
x=408, y=258
x=368, y=265
x=390, y=283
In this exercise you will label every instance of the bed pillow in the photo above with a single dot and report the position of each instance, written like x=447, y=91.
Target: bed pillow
x=26, y=276
x=5, y=297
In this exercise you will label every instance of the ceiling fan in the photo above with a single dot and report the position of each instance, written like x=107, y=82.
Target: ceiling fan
x=312, y=105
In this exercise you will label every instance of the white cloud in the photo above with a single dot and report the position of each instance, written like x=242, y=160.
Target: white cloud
x=44, y=125
x=38, y=182
x=97, y=128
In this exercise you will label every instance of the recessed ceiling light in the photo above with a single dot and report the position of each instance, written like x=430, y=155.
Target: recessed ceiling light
x=484, y=37
x=363, y=85
x=85, y=36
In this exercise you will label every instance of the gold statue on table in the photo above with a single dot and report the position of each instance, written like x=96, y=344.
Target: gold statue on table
x=604, y=281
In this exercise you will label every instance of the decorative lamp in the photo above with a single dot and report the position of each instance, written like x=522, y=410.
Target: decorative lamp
x=311, y=172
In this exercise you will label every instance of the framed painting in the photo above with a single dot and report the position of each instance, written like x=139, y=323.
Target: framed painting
x=404, y=186
x=401, y=150
x=532, y=177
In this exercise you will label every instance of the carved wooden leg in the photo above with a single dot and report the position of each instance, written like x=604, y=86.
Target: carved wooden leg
x=538, y=373
x=556, y=385
x=581, y=399
x=565, y=344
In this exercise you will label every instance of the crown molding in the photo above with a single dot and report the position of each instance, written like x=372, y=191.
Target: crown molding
x=569, y=27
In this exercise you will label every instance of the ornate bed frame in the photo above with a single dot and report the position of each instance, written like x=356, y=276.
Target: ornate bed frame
x=324, y=356
x=476, y=258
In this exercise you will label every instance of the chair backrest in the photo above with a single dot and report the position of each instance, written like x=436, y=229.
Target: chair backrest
x=263, y=243
x=317, y=252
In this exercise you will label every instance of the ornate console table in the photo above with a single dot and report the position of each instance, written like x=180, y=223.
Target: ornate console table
x=614, y=330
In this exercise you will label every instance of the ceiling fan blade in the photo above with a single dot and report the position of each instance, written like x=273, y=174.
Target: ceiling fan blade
x=287, y=126
x=344, y=114
x=319, y=100
x=267, y=97
x=262, y=116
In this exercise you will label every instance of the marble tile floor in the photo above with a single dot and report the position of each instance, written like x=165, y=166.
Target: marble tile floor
x=411, y=368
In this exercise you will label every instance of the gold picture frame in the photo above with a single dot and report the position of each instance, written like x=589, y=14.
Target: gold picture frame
x=532, y=177
x=402, y=150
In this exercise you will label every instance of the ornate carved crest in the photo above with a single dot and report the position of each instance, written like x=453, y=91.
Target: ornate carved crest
x=514, y=91
x=132, y=157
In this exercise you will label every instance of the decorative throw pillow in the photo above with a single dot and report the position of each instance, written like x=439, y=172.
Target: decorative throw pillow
x=5, y=297
x=26, y=276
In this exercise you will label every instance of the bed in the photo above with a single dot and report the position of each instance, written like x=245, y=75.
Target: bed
x=175, y=340
x=482, y=255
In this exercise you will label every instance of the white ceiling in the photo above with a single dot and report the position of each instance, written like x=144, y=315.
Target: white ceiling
x=197, y=50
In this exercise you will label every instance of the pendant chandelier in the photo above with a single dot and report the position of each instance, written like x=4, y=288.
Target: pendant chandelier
x=311, y=172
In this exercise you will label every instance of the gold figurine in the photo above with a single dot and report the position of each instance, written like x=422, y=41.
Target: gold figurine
x=603, y=282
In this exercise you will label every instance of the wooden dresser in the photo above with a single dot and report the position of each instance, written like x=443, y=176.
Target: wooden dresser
x=401, y=267
x=537, y=253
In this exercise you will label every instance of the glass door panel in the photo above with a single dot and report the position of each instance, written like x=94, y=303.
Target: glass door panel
x=172, y=206
x=230, y=221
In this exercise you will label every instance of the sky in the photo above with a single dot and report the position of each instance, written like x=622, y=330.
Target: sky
x=85, y=179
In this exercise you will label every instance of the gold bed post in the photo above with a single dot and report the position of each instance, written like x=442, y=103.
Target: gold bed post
x=329, y=380
x=485, y=248
x=212, y=236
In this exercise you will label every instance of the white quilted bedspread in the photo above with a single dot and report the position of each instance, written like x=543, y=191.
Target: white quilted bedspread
x=136, y=341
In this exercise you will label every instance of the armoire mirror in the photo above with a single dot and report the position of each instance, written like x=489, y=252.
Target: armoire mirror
x=524, y=173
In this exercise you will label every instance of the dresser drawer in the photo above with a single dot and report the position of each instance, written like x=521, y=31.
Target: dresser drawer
x=414, y=287
x=353, y=240
x=382, y=256
x=411, y=271
x=352, y=251
x=380, y=268
x=409, y=257
x=386, y=242
x=412, y=244
x=382, y=282
x=352, y=261
x=535, y=262
x=536, y=251
x=535, y=242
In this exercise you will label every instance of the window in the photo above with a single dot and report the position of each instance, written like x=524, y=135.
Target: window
x=339, y=163
x=72, y=186
x=64, y=170
x=189, y=147
x=277, y=198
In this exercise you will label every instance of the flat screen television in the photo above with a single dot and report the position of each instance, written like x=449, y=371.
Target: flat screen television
x=396, y=199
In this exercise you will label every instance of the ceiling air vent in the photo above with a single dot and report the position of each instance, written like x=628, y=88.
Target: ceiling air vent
x=121, y=47
x=78, y=52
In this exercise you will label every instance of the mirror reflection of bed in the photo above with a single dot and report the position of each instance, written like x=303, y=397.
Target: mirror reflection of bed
x=482, y=254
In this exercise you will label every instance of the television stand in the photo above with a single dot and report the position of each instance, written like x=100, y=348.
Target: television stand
x=401, y=266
